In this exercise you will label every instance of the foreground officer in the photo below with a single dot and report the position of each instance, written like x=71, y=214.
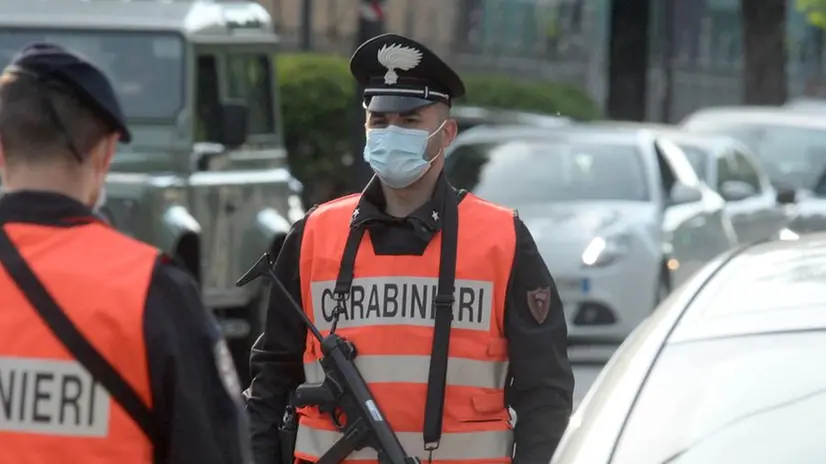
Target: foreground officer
x=107, y=354
x=389, y=260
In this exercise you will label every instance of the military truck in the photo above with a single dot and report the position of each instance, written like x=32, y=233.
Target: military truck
x=205, y=178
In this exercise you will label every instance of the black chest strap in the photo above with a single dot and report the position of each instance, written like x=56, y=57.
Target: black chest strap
x=442, y=306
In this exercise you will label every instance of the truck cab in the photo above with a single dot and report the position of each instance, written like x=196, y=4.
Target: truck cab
x=205, y=178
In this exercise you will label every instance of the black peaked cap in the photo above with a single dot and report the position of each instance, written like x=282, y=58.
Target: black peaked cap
x=400, y=75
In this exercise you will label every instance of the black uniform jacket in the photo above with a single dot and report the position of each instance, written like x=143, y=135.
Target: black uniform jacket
x=199, y=420
x=542, y=387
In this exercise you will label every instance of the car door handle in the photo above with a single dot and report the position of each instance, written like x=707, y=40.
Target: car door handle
x=697, y=222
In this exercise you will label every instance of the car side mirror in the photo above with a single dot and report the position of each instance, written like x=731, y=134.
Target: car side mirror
x=682, y=193
x=735, y=190
x=786, y=196
x=234, y=123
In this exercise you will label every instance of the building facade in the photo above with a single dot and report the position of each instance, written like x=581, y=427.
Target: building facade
x=568, y=40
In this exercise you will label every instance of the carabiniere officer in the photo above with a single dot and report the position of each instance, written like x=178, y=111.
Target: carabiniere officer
x=393, y=264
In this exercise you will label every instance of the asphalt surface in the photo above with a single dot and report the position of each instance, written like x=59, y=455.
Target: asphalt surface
x=584, y=375
x=587, y=362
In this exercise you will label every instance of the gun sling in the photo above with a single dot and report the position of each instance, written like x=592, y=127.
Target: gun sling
x=443, y=306
x=64, y=329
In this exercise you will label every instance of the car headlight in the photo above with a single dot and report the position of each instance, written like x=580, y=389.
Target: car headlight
x=603, y=251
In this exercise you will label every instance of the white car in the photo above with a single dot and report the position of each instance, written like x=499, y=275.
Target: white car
x=618, y=214
x=727, y=370
x=790, y=145
x=758, y=210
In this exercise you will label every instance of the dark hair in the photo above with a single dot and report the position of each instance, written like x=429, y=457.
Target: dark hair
x=31, y=132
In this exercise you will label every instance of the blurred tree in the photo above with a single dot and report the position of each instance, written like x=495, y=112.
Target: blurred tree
x=764, y=51
x=815, y=11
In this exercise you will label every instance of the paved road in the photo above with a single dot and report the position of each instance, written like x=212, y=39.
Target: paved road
x=587, y=362
x=584, y=375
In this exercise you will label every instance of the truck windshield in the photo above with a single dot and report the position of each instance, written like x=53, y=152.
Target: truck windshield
x=146, y=68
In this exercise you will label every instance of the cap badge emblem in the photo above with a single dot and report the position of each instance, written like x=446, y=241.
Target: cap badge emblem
x=395, y=57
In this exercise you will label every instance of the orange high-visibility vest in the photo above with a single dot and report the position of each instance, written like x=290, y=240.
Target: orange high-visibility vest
x=50, y=408
x=389, y=319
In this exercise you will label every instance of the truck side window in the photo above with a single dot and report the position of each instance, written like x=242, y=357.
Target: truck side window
x=208, y=106
x=250, y=79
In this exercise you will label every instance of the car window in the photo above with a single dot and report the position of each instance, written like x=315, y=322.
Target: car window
x=250, y=80
x=697, y=157
x=726, y=169
x=756, y=399
x=746, y=171
x=146, y=69
x=519, y=173
x=464, y=124
x=790, y=155
x=677, y=161
x=208, y=104
x=733, y=165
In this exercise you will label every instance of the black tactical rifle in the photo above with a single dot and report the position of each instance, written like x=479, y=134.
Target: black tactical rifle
x=343, y=390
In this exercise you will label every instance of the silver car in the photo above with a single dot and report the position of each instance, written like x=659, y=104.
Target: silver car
x=758, y=210
x=727, y=370
x=791, y=146
x=618, y=214
x=468, y=117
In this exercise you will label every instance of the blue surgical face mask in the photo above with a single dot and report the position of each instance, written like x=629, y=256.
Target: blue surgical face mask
x=397, y=155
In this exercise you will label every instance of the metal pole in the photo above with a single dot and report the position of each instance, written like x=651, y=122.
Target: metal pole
x=371, y=23
x=307, y=25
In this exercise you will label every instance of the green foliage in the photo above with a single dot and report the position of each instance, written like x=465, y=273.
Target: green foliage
x=814, y=10
x=321, y=111
x=494, y=91
x=317, y=97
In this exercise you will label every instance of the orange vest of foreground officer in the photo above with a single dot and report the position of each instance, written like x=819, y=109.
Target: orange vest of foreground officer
x=389, y=320
x=50, y=409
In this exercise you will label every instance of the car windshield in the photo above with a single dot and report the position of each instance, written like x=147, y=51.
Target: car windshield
x=792, y=156
x=697, y=157
x=758, y=399
x=145, y=68
x=518, y=173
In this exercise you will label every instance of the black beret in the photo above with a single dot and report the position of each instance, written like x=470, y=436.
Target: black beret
x=51, y=62
x=399, y=75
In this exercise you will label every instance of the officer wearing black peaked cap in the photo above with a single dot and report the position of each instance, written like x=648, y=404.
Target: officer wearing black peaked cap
x=435, y=288
x=126, y=352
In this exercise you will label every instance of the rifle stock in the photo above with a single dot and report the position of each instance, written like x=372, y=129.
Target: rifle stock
x=343, y=389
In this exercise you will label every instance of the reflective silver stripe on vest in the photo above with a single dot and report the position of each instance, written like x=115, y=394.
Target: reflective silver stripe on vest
x=454, y=446
x=414, y=369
